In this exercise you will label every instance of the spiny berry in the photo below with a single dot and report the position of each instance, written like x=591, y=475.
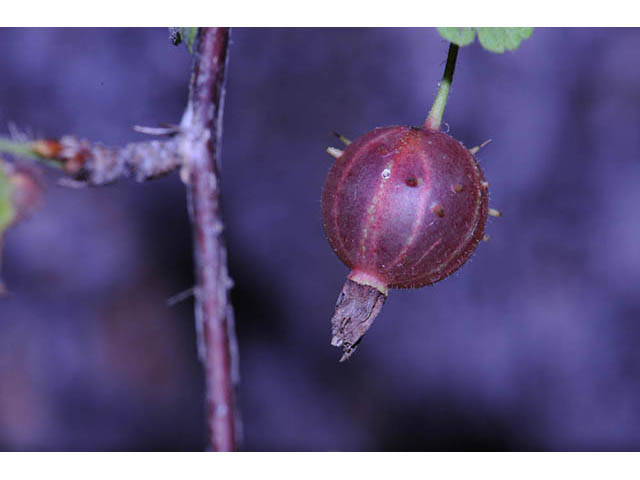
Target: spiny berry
x=402, y=207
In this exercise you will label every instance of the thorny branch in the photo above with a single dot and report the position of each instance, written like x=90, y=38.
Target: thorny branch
x=96, y=164
x=200, y=147
x=194, y=146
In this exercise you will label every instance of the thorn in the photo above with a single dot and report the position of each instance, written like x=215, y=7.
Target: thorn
x=495, y=213
x=485, y=184
x=334, y=152
x=474, y=150
x=16, y=134
x=185, y=174
x=485, y=238
x=170, y=125
x=181, y=296
x=342, y=138
x=166, y=130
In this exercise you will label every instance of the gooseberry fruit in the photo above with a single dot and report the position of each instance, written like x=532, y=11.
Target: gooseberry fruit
x=402, y=207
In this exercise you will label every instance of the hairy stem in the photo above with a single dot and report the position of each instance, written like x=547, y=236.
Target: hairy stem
x=200, y=143
x=434, y=119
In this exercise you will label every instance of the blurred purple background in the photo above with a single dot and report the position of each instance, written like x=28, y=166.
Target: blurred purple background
x=533, y=345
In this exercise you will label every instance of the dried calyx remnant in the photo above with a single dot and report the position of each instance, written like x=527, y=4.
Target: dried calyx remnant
x=402, y=207
x=357, y=306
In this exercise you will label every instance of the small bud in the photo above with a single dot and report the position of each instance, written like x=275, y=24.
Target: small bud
x=47, y=148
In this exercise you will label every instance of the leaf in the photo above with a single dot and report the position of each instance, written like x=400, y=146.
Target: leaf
x=498, y=40
x=7, y=212
x=494, y=39
x=461, y=36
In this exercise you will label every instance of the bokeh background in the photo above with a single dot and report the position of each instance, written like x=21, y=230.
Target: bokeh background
x=533, y=345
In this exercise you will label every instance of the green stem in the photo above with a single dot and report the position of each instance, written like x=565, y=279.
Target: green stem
x=25, y=149
x=434, y=119
x=17, y=148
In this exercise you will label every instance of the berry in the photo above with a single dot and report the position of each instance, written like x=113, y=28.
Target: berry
x=402, y=207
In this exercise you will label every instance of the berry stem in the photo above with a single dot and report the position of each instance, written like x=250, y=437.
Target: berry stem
x=434, y=119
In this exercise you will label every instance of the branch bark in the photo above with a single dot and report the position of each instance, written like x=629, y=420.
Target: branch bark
x=200, y=150
x=96, y=164
x=194, y=147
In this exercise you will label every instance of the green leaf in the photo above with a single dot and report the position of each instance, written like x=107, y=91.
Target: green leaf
x=498, y=40
x=461, y=36
x=494, y=39
x=7, y=212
